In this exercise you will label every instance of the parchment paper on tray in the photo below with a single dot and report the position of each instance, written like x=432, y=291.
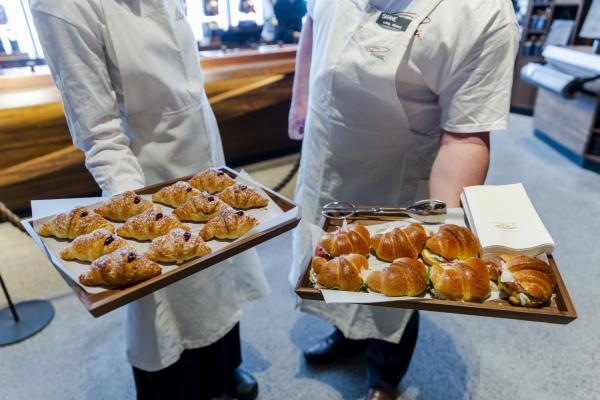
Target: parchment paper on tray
x=42, y=210
x=455, y=216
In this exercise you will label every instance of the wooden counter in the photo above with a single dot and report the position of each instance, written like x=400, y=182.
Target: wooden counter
x=249, y=91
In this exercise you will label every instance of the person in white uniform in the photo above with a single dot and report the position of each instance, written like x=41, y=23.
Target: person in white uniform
x=133, y=94
x=394, y=101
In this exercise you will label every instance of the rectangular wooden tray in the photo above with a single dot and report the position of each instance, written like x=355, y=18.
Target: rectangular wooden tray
x=101, y=303
x=559, y=311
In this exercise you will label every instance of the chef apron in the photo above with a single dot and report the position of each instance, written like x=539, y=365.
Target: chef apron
x=173, y=133
x=358, y=144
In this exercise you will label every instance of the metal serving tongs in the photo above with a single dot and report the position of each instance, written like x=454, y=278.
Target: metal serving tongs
x=426, y=211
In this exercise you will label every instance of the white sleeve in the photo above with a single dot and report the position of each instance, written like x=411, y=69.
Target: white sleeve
x=310, y=8
x=476, y=95
x=76, y=59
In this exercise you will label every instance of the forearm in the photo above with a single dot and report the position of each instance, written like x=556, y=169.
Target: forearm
x=303, y=60
x=462, y=160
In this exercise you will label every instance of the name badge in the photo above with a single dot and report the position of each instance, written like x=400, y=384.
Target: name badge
x=395, y=22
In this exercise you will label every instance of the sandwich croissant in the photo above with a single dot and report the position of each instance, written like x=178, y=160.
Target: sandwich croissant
x=354, y=239
x=528, y=281
x=466, y=280
x=76, y=222
x=450, y=242
x=343, y=272
x=408, y=241
x=404, y=277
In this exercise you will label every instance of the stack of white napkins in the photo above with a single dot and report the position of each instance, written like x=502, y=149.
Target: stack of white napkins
x=505, y=221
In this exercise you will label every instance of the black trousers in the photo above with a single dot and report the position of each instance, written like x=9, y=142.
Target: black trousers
x=199, y=374
x=388, y=362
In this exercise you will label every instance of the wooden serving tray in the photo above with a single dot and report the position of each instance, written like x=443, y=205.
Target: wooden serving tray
x=101, y=303
x=559, y=311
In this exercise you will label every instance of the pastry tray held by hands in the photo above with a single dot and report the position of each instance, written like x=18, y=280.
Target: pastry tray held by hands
x=105, y=301
x=559, y=311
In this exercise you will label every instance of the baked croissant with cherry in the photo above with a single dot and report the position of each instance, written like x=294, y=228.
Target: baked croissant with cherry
x=528, y=281
x=212, y=181
x=353, y=239
x=123, y=206
x=408, y=241
x=343, y=272
x=228, y=224
x=466, y=280
x=120, y=268
x=76, y=222
x=449, y=243
x=92, y=246
x=243, y=197
x=176, y=194
x=150, y=224
x=406, y=276
x=200, y=208
x=177, y=246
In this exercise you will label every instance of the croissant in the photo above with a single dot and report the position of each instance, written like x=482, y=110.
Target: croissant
x=200, y=208
x=343, y=272
x=177, y=246
x=229, y=224
x=78, y=221
x=399, y=242
x=404, y=277
x=242, y=197
x=93, y=245
x=212, y=181
x=354, y=239
x=123, y=206
x=176, y=194
x=450, y=242
x=149, y=225
x=120, y=268
x=466, y=280
x=528, y=281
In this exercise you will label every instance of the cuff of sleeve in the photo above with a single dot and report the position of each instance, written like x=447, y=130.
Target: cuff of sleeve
x=475, y=128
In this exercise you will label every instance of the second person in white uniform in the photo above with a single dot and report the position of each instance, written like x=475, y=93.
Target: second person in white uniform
x=394, y=100
x=133, y=93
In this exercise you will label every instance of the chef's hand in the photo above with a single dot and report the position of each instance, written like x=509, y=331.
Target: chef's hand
x=296, y=121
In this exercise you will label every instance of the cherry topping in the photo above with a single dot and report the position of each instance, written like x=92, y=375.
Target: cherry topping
x=239, y=213
x=188, y=189
x=84, y=214
x=131, y=257
x=109, y=239
x=243, y=187
x=159, y=216
x=137, y=199
x=210, y=198
x=187, y=236
x=220, y=173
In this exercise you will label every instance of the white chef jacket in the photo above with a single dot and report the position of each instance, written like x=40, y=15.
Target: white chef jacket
x=132, y=90
x=368, y=144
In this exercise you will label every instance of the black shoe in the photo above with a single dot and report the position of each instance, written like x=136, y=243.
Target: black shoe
x=332, y=348
x=242, y=385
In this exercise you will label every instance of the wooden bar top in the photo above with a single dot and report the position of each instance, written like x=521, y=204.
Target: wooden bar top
x=33, y=89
